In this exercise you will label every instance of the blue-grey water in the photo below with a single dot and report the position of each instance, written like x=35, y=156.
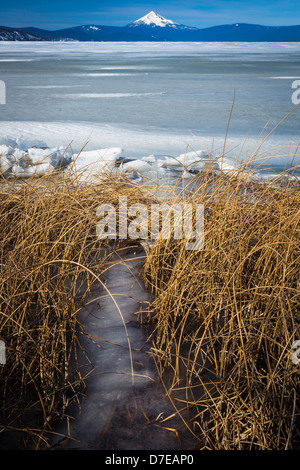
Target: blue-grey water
x=150, y=98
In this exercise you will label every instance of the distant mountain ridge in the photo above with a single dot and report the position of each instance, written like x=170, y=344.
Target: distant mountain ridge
x=12, y=34
x=153, y=27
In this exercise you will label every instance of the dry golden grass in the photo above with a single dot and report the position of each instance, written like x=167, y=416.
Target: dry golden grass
x=50, y=257
x=225, y=317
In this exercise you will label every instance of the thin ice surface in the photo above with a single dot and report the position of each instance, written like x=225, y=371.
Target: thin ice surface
x=120, y=393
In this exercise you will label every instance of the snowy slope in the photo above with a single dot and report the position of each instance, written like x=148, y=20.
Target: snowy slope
x=9, y=34
x=154, y=20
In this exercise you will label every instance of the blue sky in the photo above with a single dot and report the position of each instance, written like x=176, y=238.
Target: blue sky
x=57, y=14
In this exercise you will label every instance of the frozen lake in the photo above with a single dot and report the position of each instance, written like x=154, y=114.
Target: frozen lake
x=149, y=98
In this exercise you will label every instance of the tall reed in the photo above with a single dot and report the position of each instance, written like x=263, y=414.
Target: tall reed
x=50, y=257
x=225, y=317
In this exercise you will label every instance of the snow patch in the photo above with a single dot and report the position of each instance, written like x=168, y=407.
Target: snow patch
x=152, y=19
x=91, y=28
x=92, y=163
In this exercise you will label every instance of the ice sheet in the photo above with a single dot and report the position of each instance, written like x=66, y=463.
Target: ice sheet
x=146, y=47
x=139, y=142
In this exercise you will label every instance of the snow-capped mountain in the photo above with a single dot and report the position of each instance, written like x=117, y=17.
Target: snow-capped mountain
x=154, y=20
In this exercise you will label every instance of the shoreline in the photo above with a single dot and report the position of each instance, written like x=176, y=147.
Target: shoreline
x=23, y=158
x=137, y=142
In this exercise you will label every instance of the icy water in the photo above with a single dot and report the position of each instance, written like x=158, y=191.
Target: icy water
x=150, y=98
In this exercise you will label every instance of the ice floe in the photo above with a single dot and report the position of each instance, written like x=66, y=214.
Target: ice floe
x=140, y=166
x=23, y=158
x=193, y=162
x=94, y=162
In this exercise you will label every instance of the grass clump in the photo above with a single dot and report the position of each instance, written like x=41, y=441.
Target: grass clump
x=225, y=317
x=50, y=257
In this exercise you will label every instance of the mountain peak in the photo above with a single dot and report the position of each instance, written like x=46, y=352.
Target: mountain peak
x=153, y=19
